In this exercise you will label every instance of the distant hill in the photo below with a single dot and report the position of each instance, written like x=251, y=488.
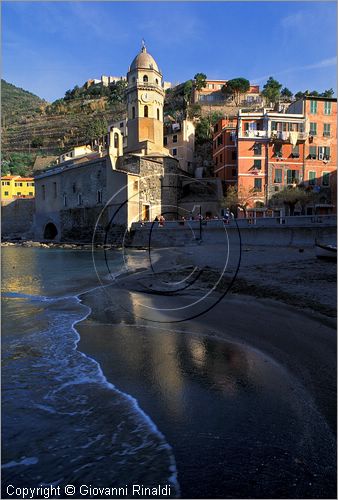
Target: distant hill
x=31, y=126
x=17, y=103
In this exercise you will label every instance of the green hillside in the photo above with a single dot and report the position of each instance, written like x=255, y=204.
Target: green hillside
x=17, y=103
x=32, y=127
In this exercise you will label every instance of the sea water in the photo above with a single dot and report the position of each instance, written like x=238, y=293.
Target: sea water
x=63, y=423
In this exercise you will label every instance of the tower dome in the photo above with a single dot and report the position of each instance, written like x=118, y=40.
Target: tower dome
x=144, y=61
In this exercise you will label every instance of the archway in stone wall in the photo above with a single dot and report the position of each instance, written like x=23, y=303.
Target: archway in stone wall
x=50, y=231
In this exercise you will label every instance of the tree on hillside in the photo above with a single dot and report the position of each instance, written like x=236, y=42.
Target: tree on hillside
x=94, y=91
x=187, y=92
x=68, y=95
x=272, y=90
x=286, y=93
x=200, y=81
x=203, y=131
x=194, y=111
x=215, y=117
x=236, y=88
x=96, y=128
x=204, y=128
x=238, y=198
x=37, y=142
x=118, y=91
x=328, y=93
x=299, y=95
x=76, y=92
x=18, y=164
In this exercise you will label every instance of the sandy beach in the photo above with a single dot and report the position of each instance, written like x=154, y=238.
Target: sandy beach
x=273, y=332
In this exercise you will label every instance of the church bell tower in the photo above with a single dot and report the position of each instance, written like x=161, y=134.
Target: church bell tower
x=145, y=98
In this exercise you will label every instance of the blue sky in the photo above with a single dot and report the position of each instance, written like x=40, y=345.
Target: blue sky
x=48, y=47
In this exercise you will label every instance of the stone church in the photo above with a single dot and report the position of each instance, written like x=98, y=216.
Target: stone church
x=117, y=186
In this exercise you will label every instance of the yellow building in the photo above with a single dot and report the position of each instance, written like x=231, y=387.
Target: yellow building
x=15, y=186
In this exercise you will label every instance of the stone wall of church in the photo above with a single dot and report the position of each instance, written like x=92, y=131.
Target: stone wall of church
x=159, y=183
x=171, y=188
x=78, y=224
x=151, y=175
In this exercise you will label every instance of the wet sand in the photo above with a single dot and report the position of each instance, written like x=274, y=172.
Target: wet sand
x=245, y=394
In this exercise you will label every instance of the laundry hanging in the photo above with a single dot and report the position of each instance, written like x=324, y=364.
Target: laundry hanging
x=293, y=138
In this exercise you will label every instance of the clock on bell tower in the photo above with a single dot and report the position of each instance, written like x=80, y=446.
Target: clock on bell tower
x=145, y=97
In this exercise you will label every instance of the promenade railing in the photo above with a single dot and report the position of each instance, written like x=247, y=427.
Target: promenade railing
x=290, y=221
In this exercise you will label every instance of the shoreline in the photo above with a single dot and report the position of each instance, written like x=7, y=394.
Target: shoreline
x=298, y=351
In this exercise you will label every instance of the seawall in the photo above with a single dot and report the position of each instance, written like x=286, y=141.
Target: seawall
x=17, y=217
x=175, y=234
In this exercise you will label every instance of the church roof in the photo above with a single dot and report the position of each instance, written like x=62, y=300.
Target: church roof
x=144, y=60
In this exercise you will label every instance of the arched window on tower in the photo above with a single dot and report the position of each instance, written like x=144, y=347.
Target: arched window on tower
x=156, y=81
x=116, y=140
x=145, y=78
x=146, y=111
x=133, y=112
x=158, y=114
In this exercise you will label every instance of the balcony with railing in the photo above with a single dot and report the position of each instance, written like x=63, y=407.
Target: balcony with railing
x=288, y=136
x=253, y=134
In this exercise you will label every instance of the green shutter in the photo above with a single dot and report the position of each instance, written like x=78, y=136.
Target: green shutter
x=312, y=178
x=327, y=108
x=326, y=179
x=313, y=152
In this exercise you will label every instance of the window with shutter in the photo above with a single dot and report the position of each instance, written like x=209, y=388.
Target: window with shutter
x=312, y=178
x=313, y=128
x=325, y=178
x=327, y=108
x=313, y=107
x=313, y=152
x=327, y=130
x=258, y=185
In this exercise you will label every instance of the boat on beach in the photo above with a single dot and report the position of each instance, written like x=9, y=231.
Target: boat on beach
x=326, y=251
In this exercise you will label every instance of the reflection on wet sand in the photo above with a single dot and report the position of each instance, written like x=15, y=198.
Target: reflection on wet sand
x=230, y=413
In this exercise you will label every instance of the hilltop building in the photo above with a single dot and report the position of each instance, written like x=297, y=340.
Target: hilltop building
x=123, y=185
x=105, y=81
x=212, y=94
x=263, y=152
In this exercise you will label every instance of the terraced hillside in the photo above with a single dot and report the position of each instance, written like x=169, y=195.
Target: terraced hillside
x=31, y=125
x=52, y=133
x=17, y=103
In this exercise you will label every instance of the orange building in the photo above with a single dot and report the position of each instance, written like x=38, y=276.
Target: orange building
x=264, y=152
x=320, y=155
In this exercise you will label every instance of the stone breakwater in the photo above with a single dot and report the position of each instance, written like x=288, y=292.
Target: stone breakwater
x=38, y=244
